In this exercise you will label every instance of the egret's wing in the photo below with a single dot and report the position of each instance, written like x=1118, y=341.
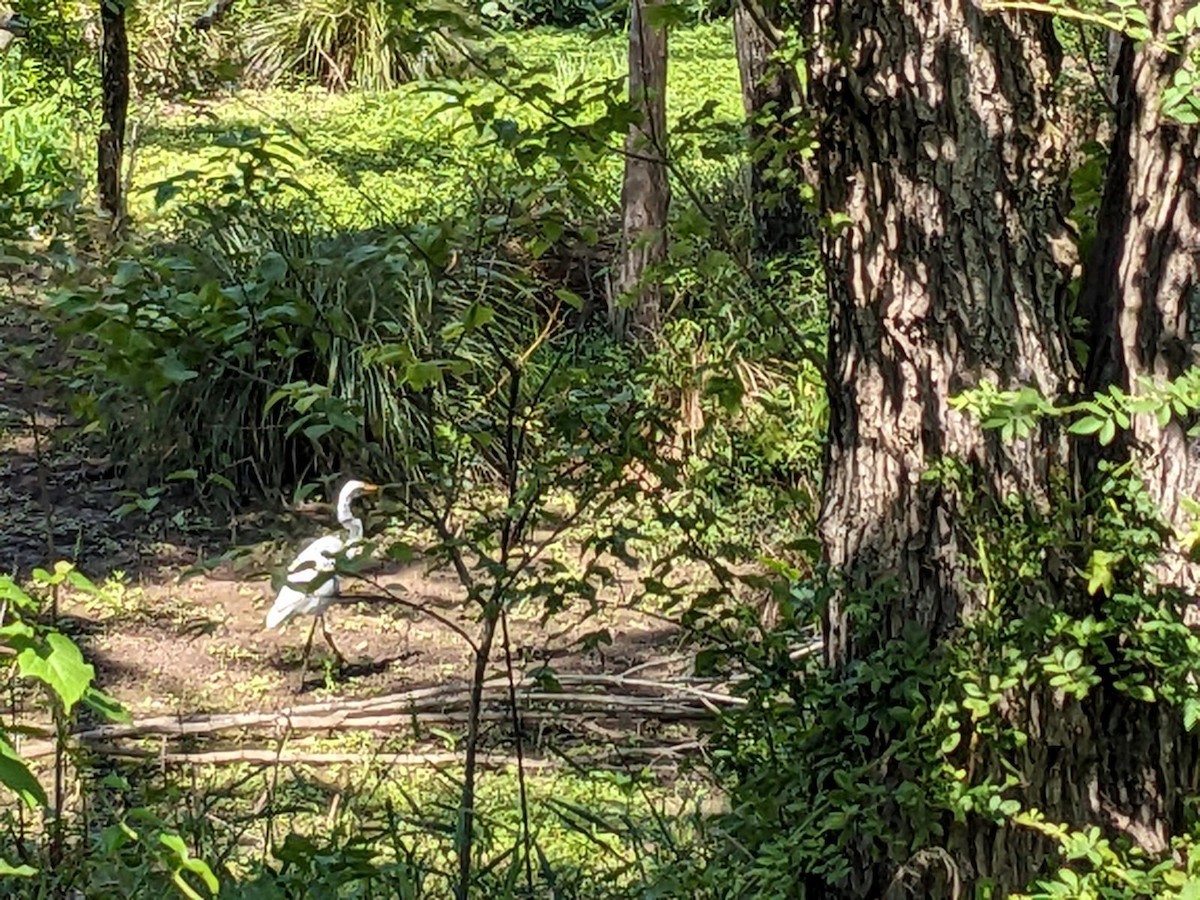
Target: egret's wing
x=288, y=604
x=314, y=560
x=297, y=597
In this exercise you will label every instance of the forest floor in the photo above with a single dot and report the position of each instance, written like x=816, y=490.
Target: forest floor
x=165, y=641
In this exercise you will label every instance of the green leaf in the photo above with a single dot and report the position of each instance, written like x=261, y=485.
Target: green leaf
x=1191, y=713
x=1086, y=425
x=174, y=370
x=477, y=316
x=1108, y=431
x=60, y=665
x=108, y=707
x=272, y=267
x=570, y=298
x=8, y=870
x=422, y=374
x=15, y=775
x=200, y=867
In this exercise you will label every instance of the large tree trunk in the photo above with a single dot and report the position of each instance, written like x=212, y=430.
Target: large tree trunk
x=771, y=96
x=646, y=191
x=1142, y=296
x=1142, y=292
x=114, y=80
x=942, y=172
x=940, y=154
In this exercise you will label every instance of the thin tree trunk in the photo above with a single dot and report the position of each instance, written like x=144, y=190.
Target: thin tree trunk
x=114, y=79
x=646, y=191
x=771, y=96
x=941, y=170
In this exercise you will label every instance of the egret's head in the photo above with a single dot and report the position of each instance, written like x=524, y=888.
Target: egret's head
x=355, y=488
x=351, y=490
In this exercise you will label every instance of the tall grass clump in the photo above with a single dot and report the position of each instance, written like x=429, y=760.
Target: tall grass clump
x=257, y=347
x=367, y=44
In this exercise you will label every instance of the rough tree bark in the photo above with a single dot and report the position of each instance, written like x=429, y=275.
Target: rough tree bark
x=942, y=171
x=940, y=154
x=646, y=190
x=114, y=81
x=1142, y=291
x=1142, y=296
x=771, y=96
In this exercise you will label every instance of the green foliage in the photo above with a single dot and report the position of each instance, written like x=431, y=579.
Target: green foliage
x=896, y=753
x=1017, y=413
x=39, y=654
x=259, y=348
x=546, y=132
x=38, y=179
x=170, y=58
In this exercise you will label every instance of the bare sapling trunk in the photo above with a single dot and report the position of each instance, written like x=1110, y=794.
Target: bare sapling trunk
x=646, y=190
x=114, y=79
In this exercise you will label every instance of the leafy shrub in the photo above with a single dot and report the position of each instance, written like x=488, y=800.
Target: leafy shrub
x=821, y=761
x=37, y=149
x=261, y=345
x=172, y=59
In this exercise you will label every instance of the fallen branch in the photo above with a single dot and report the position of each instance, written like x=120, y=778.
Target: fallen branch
x=615, y=696
x=267, y=756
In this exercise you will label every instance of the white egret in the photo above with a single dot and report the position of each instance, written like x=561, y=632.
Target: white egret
x=317, y=561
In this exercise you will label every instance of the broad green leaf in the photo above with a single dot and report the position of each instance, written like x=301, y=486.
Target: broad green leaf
x=104, y=705
x=174, y=370
x=12, y=593
x=8, y=870
x=477, y=316
x=15, y=775
x=60, y=665
x=272, y=267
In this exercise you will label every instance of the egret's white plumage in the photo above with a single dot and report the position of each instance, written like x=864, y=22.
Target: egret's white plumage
x=315, y=563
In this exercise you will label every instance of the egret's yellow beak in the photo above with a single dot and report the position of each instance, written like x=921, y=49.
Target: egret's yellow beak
x=370, y=488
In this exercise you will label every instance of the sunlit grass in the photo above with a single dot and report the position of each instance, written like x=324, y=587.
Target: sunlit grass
x=412, y=154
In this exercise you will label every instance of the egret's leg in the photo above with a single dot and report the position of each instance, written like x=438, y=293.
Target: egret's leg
x=341, y=660
x=307, y=649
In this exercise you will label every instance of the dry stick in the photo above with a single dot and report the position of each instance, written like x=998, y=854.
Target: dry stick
x=269, y=757
x=388, y=723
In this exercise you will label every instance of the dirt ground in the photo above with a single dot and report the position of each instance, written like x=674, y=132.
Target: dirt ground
x=162, y=643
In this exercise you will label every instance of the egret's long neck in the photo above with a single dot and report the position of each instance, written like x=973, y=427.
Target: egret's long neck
x=349, y=521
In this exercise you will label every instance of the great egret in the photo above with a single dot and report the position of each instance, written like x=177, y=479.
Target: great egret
x=314, y=562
